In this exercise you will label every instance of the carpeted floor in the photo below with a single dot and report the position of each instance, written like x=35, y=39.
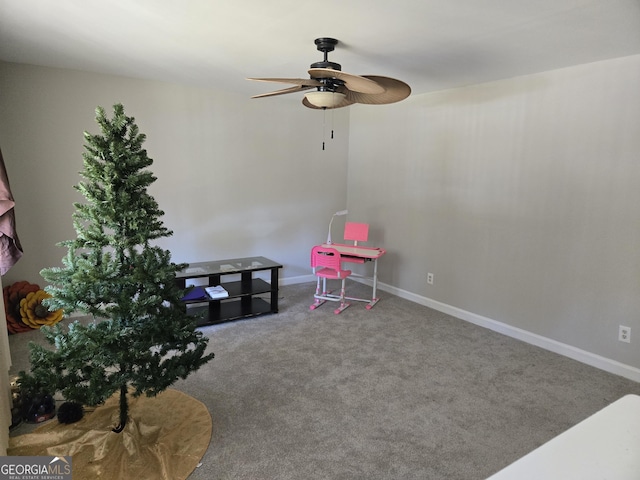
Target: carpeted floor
x=397, y=392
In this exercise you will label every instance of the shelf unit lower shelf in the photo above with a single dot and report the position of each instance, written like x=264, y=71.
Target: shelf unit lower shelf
x=228, y=310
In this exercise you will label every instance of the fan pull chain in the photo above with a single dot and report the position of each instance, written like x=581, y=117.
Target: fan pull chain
x=333, y=111
x=324, y=125
x=324, y=117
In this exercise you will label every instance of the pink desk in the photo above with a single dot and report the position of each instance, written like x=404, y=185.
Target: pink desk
x=359, y=254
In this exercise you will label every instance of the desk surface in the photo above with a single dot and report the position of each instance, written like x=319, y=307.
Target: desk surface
x=604, y=446
x=357, y=251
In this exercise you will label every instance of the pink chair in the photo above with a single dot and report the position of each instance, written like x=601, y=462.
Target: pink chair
x=327, y=264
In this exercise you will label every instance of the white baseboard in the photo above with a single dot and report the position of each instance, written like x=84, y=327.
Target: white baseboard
x=583, y=356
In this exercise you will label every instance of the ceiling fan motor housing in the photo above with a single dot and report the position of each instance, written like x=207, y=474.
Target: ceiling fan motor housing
x=329, y=84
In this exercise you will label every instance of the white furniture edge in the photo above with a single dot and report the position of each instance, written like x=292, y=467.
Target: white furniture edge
x=605, y=445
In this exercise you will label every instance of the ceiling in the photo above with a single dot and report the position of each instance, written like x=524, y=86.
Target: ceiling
x=430, y=44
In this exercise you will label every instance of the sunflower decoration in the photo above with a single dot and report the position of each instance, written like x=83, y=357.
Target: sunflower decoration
x=13, y=294
x=34, y=314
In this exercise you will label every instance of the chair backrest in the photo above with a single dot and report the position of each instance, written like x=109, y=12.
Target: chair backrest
x=325, y=257
x=356, y=232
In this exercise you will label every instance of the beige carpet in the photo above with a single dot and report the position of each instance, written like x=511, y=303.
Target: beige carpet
x=165, y=438
x=398, y=392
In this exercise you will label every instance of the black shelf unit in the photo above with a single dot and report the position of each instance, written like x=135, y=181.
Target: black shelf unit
x=248, y=296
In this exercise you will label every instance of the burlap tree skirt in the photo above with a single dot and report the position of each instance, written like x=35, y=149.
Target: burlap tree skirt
x=165, y=438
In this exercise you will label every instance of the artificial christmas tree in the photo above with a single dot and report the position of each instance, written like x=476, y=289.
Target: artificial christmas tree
x=141, y=339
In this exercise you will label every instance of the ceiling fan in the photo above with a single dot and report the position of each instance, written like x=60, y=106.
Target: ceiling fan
x=333, y=88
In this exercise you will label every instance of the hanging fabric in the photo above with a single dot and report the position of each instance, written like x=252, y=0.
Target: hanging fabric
x=10, y=248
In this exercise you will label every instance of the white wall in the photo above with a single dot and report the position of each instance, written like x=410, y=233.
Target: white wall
x=236, y=177
x=522, y=197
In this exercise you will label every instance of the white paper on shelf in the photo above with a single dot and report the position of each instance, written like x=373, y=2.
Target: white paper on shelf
x=216, y=291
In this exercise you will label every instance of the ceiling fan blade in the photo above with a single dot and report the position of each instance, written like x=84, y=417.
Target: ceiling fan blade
x=297, y=88
x=354, y=83
x=394, y=91
x=345, y=103
x=308, y=82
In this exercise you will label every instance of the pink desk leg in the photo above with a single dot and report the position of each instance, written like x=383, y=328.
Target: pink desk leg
x=374, y=299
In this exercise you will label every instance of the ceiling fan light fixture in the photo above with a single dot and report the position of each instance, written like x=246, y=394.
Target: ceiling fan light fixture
x=325, y=99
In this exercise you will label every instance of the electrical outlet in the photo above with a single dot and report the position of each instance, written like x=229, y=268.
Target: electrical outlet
x=624, y=334
x=430, y=278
